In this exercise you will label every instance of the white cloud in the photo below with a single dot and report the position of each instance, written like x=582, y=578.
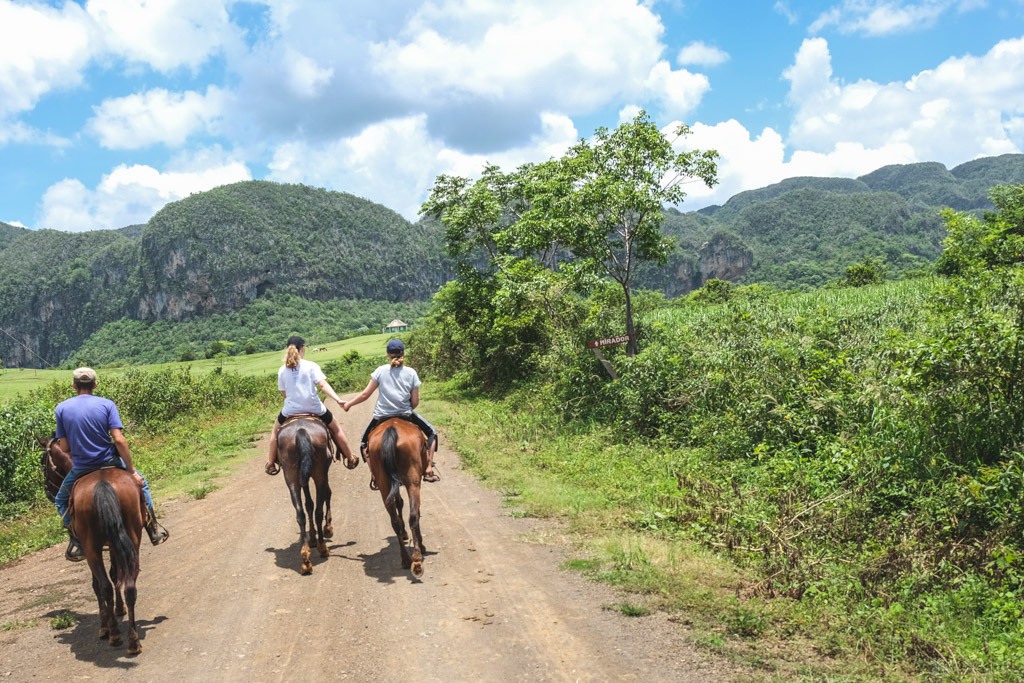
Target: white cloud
x=885, y=17
x=156, y=117
x=700, y=53
x=677, y=92
x=128, y=195
x=963, y=108
x=396, y=162
x=590, y=48
x=44, y=49
x=164, y=34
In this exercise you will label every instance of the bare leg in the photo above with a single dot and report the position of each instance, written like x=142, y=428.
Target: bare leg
x=272, y=467
x=428, y=470
x=342, y=443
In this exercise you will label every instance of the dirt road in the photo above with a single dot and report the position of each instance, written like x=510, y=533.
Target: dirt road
x=223, y=600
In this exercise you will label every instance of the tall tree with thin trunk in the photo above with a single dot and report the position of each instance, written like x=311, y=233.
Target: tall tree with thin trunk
x=603, y=200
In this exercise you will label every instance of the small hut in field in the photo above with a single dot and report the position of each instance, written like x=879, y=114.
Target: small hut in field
x=395, y=326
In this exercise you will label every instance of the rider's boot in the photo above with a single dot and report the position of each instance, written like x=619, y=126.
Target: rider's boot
x=74, y=553
x=157, y=533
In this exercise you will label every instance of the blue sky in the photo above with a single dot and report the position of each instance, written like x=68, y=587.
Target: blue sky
x=109, y=109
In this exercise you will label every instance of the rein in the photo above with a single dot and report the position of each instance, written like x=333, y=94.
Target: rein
x=52, y=479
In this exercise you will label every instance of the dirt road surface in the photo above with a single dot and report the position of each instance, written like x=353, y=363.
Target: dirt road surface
x=223, y=599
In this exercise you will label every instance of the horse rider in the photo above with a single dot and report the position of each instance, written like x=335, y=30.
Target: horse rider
x=399, y=395
x=298, y=380
x=89, y=429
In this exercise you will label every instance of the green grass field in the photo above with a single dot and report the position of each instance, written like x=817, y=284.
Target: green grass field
x=17, y=382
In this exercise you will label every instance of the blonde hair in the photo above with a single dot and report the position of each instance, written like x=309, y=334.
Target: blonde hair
x=292, y=357
x=396, y=361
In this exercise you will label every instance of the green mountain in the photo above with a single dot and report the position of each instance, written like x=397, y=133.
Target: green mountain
x=805, y=232
x=242, y=263
x=213, y=253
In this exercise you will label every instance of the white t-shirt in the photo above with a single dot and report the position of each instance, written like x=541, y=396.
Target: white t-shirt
x=299, y=387
x=394, y=387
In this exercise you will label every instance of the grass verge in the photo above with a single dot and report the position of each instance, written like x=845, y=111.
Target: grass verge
x=608, y=500
x=189, y=459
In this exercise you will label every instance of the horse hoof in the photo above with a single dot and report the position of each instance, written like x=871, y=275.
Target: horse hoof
x=307, y=568
x=134, y=648
x=328, y=532
x=104, y=633
x=417, y=570
x=324, y=552
x=115, y=641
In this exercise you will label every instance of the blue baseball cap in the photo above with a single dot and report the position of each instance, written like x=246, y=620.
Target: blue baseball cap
x=396, y=347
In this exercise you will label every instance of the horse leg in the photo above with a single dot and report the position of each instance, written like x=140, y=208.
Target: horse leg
x=306, y=566
x=414, y=525
x=119, y=609
x=130, y=594
x=104, y=590
x=321, y=495
x=403, y=536
x=311, y=520
x=328, y=523
x=395, y=512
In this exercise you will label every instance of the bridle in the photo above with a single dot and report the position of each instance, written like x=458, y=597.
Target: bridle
x=52, y=479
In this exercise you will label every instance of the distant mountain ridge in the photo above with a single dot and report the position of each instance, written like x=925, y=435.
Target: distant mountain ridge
x=211, y=253
x=216, y=252
x=805, y=231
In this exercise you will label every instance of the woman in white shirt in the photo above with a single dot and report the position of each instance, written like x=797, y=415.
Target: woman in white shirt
x=298, y=381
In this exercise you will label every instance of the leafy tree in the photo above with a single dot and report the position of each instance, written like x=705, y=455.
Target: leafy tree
x=604, y=200
x=870, y=271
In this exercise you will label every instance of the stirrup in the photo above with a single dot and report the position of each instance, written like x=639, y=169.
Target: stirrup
x=157, y=533
x=74, y=553
x=272, y=468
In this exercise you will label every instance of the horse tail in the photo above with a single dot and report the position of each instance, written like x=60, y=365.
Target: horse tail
x=388, y=458
x=123, y=553
x=305, y=447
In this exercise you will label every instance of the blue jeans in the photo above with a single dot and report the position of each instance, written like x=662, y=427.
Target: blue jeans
x=63, y=498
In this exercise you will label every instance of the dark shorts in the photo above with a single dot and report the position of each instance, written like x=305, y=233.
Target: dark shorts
x=327, y=417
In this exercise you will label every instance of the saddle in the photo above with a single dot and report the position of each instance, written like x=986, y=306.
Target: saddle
x=331, y=446
x=87, y=475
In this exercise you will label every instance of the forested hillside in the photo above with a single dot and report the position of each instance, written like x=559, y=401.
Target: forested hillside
x=213, y=253
x=805, y=232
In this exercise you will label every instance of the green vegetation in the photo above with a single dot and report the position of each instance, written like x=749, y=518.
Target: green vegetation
x=825, y=482
x=261, y=326
x=258, y=255
x=853, y=452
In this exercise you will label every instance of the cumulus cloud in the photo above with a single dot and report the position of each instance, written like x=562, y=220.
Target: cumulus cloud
x=128, y=195
x=700, y=53
x=396, y=162
x=676, y=93
x=885, y=17
x=44, y=49
x=156, y=117
x=962, y=108
x=164, y=35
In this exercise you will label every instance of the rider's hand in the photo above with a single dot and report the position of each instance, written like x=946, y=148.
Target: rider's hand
x=138, y=478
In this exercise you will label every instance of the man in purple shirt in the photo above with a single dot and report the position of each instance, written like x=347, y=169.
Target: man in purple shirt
x=89, y=429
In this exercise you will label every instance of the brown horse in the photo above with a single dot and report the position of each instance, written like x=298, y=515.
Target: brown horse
x=304, y=452
x=397, y=452
x=107, y=512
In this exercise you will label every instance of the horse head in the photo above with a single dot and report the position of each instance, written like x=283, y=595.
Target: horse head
x=56, y=464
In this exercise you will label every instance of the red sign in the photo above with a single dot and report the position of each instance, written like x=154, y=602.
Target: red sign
x=609, y=341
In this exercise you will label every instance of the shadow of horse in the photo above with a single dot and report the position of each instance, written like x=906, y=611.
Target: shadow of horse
x=381, y=567
x=80, y=640
x=285, y=557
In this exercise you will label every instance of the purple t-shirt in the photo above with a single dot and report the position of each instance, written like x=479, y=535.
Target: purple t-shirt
x=86, y=420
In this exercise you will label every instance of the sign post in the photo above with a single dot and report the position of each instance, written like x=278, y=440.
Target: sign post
x=596, y=344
